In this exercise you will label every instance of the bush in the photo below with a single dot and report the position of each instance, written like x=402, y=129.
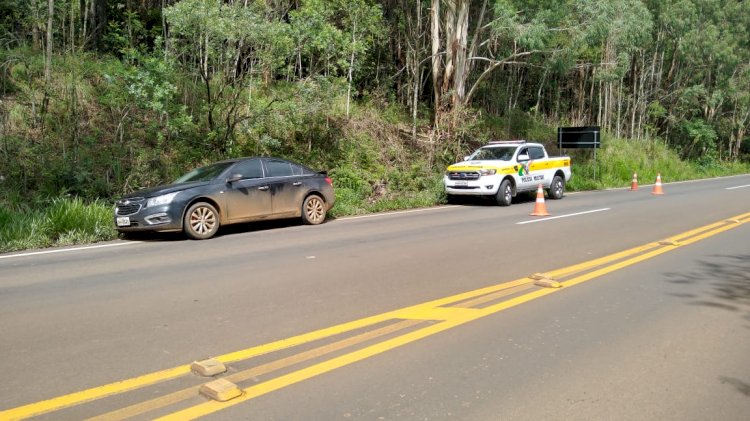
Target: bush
x=64, y=221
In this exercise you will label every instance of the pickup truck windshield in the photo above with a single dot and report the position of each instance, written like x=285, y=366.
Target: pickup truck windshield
x=494, y=153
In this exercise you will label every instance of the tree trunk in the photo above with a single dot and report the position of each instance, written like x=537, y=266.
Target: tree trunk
x=460, y=41
x=450, y=50
x=34, y=25
x=48, y=50
x=97, y=17
x=351, y=67
x=436, y=62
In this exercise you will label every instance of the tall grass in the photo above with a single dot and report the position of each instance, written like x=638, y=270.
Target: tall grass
x=619, y=159
x=358, y=202
x=61, y=222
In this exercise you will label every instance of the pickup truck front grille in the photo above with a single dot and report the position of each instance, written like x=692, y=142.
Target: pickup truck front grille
x=463, y=175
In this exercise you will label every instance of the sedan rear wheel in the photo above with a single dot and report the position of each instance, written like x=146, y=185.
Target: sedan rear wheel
x=201, y=221
x=313, y=210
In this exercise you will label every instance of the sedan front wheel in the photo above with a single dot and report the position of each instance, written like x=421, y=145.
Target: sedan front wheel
x=201, y=221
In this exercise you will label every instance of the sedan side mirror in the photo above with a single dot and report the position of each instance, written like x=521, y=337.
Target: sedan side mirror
x=233, y=178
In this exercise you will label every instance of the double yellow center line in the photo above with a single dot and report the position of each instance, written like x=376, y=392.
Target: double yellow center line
x=388, y=331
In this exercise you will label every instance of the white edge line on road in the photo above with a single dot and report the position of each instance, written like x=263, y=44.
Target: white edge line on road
x=737, y=187
x=697, y=180
x=36, y=253
x=377, y=215
x=562, y=216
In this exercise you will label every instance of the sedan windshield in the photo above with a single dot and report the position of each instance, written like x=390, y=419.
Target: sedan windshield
x=204, y=173
x=493, y=154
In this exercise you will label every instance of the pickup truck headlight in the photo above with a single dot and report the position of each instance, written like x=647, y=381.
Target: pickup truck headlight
x=164, y=199
x=487, y=172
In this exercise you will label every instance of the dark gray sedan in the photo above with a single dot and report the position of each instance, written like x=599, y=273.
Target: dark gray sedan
x=228, y=192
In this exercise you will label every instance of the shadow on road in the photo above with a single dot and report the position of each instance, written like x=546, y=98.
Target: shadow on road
x=525, y=197
x=728, y=277
x=223, y=231
x=741, y=386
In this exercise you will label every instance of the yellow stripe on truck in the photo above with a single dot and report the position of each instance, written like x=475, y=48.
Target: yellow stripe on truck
x=557, y=163
x=504, y=170
x=535, y=166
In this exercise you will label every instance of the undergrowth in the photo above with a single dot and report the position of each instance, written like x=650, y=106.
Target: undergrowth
x=374, y=173
x=60, y=222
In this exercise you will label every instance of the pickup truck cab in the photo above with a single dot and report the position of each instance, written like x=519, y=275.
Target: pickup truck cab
x=502, y=169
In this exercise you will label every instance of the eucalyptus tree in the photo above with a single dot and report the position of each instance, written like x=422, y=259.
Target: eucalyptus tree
x=229, y=46
x=330, y=35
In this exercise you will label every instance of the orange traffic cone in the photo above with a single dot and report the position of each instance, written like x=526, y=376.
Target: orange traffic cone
x=634, y=183
x=657, y=187
x=540, y=209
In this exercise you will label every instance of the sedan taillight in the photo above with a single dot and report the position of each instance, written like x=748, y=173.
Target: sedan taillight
x=329, y=181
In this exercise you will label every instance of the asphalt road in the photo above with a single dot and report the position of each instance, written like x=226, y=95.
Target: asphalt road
x=663, y=337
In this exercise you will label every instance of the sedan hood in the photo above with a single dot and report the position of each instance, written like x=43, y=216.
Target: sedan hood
x=168, y=188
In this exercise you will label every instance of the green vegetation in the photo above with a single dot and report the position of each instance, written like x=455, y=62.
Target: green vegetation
x=66, y=221
x=59, y=222
x=99, y=98
x=618, y=159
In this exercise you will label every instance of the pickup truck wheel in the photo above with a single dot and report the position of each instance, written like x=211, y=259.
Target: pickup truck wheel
x=504, y=194
x=556, y=188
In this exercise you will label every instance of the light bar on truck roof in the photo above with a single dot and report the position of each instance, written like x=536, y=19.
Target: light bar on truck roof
x=507, y=142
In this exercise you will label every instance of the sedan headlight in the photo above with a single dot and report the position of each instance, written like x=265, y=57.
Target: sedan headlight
x=164, y=199
x=487, y=172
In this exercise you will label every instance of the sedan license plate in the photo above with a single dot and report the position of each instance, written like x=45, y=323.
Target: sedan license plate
x=461, y=183
x=123, y=221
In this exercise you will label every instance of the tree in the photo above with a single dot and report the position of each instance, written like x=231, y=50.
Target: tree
x=226, y=45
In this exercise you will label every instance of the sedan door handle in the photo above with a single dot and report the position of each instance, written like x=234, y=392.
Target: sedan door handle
x=297, y=183
x=263, y=188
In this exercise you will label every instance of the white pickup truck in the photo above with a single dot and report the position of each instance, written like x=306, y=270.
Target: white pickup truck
x=502, y=169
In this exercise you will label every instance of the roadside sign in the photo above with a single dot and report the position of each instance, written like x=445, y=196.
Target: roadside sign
x=579, y=137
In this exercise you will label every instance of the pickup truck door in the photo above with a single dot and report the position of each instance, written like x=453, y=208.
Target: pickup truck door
x=541, y=169
x=524, y=178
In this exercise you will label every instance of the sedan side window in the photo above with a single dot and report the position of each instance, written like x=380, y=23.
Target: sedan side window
x=297, y=170
x=279, y=168
x=249, y=169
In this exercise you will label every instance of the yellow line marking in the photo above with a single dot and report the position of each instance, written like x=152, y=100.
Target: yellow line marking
x=497, y=295
x=312, y=371
x=76, y=398
x=191, y=392
x=150, y=405
x=87, y=395
x=436, y=313
x=327, y=366
x=581, y=267
x=99, y=392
